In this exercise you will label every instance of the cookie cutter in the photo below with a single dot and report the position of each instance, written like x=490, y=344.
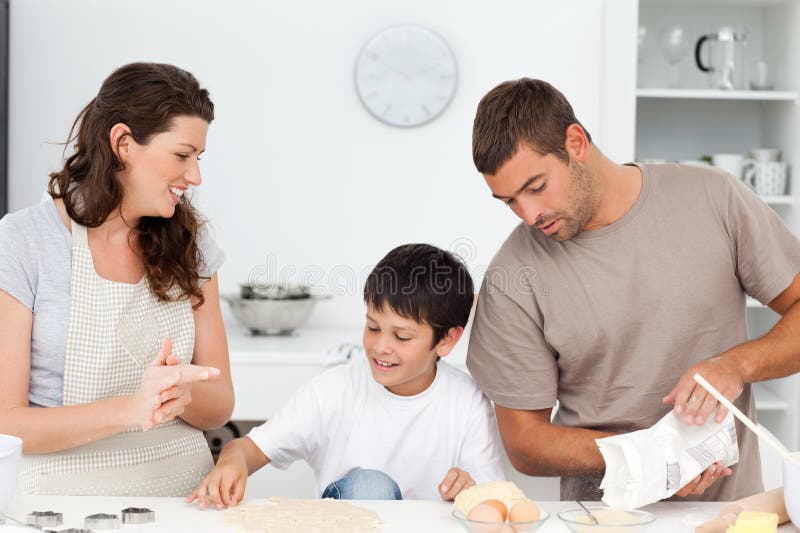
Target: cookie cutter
x=101, y=521
x=138, y=515
x=43, y=519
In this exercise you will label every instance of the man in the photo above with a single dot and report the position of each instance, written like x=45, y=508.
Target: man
x=621, y=283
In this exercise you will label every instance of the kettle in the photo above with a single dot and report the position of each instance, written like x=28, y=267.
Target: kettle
x=727, y=58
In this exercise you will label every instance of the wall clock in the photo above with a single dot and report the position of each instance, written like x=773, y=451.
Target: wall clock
x=406, y=75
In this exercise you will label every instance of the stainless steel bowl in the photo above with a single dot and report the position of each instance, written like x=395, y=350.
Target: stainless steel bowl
x=274, y=291
x=263, y=316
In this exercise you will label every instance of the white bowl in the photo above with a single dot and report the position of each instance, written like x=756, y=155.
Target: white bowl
x=265, y=316
x=611, y=520
x=10, y=454
x=791, y=488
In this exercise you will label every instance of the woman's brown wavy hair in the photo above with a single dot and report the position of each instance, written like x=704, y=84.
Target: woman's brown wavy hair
x=146, y=97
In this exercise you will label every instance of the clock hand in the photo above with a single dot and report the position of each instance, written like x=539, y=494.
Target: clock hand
x=429, y=68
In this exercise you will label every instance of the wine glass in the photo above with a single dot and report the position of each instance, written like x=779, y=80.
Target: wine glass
x=674, y=47
x=640, y=40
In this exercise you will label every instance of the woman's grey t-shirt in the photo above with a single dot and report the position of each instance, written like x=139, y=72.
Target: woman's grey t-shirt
x=35, y=268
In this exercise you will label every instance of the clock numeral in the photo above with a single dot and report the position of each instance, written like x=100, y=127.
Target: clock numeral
x=386, y=111
x=425, y=110
x=371, y=95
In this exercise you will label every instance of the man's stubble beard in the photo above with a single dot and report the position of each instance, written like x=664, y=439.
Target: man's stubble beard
x=582, y=203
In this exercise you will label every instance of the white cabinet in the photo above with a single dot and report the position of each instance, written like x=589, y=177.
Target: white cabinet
x=691, y=120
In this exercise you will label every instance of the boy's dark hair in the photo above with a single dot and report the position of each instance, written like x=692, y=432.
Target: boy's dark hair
x=526, y=111
x=424, y=283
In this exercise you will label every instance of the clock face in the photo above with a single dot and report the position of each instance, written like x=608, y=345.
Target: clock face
x=406, y=75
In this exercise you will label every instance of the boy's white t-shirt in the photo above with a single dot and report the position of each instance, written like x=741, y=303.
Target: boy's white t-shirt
x=343, y=419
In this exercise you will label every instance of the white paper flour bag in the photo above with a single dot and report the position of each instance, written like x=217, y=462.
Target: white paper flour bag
x=651, y=464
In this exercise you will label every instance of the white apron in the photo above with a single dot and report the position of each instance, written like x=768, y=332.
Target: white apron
x=115, y=331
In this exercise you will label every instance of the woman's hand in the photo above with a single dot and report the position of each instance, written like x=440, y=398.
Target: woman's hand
x=165, y=389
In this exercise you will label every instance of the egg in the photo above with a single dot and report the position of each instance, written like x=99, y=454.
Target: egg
x=500, y=506
x=484, y=512
x=524, y=511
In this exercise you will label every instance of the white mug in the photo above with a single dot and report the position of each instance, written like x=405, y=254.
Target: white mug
x=731, y=163
x=767, y=178
x=791, y=488
x=765, y=154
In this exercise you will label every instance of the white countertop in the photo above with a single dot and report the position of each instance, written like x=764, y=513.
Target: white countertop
x=172, y=515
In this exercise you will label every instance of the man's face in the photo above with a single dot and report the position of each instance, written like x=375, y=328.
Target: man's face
x=543, y=191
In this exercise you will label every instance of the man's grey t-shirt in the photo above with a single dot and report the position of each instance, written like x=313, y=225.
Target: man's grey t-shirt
x=608, y=321
x=35, y=268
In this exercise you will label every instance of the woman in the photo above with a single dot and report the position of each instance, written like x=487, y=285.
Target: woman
x=112, y=349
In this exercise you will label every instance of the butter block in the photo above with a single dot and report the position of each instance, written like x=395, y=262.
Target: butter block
x=754, y=522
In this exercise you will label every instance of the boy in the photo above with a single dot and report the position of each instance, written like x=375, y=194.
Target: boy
x=394, y=424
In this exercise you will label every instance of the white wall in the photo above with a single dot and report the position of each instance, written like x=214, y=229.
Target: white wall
x=297, y=174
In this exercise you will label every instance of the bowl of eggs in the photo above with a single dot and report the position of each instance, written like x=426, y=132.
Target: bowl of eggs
x=608, y=520
x=493, y=516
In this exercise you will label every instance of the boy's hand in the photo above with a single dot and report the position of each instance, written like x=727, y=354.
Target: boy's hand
x=454, y=482
x=223, y=486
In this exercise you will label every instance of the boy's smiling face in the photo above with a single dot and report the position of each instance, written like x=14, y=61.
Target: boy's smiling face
x=400, y=350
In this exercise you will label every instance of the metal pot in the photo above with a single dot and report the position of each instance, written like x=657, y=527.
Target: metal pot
x=274, y=291
x=272, y=316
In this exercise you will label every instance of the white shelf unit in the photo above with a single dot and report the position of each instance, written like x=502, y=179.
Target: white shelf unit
x=715, y=94
x=693, y=121
x=786, y=199
x=767, y=400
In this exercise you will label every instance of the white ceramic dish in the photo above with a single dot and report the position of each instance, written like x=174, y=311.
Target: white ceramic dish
x=10, y=454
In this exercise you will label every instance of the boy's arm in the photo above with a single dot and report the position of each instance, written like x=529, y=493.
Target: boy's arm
x=481, y=452
x=244, y=450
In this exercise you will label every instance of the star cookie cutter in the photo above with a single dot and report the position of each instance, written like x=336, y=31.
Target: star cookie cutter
x=138, y=515
x=101, y=521
x=45, y=519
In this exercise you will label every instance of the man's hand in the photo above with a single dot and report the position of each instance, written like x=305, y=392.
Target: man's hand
x=693, y=401
x=699, y=484
x=454, y=482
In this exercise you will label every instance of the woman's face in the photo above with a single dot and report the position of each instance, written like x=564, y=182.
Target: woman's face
x=158, y=173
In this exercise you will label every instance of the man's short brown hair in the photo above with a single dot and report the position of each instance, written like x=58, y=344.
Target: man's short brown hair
x=520, y=111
